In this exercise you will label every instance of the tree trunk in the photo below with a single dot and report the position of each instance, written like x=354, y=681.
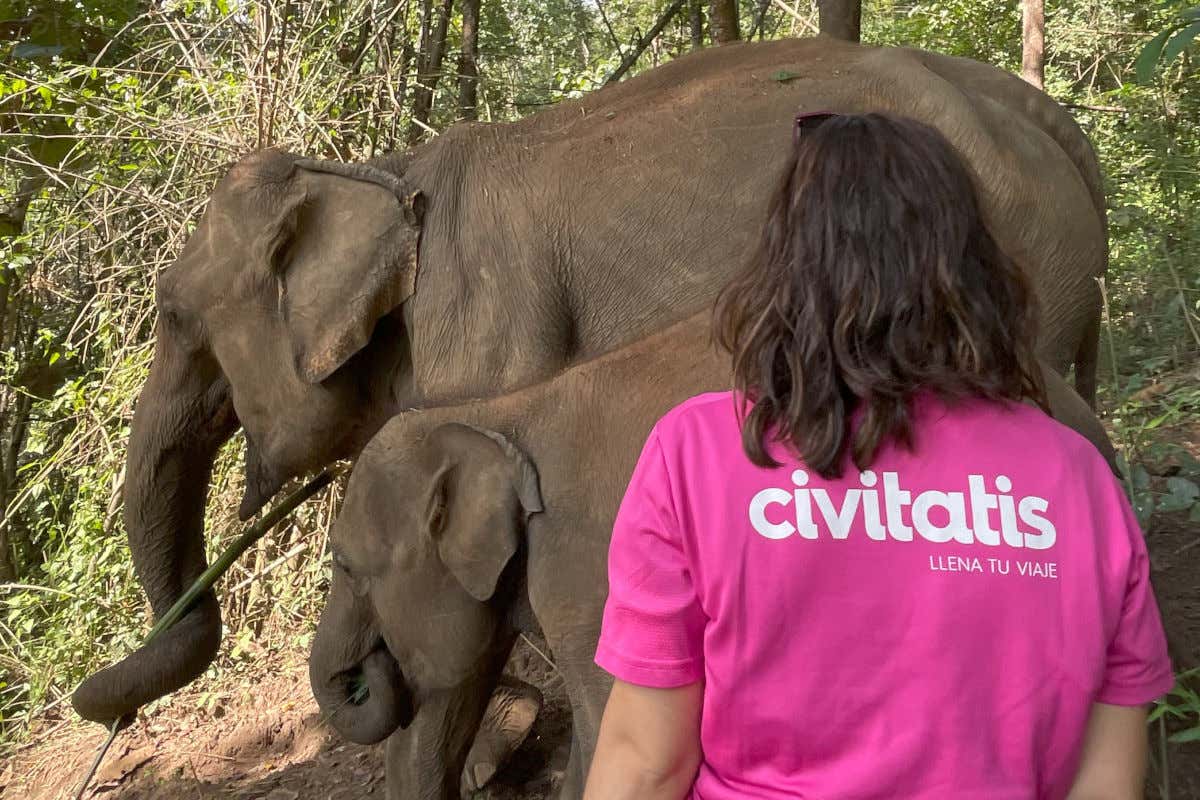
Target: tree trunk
x=1033, y=42
x=433, y=48
x=696, y=23
x=16, y=407
x=760, y=21
x=13, y=533
x=468, y=67
x=841, y=19
x=723, y=21
x=406, y=61
x=8, y=561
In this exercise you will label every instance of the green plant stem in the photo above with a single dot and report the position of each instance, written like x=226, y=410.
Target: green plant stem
x=1166, y=766
x=206, y=581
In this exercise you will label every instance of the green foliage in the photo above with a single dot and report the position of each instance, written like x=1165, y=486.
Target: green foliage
x=1182, y=705
x=1167, y=45
x=989, y=32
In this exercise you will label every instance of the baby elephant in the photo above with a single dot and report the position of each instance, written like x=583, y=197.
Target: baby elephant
x=465, y=525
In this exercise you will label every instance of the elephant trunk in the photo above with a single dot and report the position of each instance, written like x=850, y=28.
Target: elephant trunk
x=355, y=680
x=183, y=416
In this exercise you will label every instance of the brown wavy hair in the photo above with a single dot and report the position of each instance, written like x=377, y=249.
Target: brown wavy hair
x=874, y=279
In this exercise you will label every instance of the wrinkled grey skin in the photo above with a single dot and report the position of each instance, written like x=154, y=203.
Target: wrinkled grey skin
x=507, y=720
x=314, y=302
x=457, y=517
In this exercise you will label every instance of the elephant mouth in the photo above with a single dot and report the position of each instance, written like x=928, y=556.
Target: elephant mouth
x=263, y=481
x=369, y=701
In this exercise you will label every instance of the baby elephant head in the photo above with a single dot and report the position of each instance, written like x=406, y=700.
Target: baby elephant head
x=431, y=521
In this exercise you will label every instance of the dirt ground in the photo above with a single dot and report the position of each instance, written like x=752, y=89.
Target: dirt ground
x=268, y=742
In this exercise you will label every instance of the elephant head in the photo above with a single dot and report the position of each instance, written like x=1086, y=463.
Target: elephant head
x=429, y=527
x=281, y=315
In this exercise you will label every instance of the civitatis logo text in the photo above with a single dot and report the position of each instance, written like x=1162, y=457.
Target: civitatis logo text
x=982, y=511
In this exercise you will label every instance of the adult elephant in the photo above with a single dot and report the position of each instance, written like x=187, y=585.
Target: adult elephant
x=315, y=300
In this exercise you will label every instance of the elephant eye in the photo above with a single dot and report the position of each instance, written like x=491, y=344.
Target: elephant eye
x=340, y=562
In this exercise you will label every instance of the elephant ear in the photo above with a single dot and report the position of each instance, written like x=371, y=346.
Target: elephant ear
x=484, y=492
x=351, y=259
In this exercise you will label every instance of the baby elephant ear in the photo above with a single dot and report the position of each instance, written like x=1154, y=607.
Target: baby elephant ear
x=487, y=504
x=351, y=260
x=523, y=474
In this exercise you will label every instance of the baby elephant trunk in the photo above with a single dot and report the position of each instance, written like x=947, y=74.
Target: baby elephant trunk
x=507, y=721
x=356, y=681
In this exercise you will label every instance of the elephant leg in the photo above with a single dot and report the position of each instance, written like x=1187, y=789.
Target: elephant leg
x=509, y=717
x=575, y=779
x=1087, y=358
x=425, y=760
x=587, y=687
x=1071, y=410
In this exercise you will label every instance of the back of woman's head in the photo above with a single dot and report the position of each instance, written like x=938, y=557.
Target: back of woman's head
x=874, y=279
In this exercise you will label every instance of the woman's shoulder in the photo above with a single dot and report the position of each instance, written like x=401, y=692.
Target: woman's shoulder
x=703, y=409
x=1026, y=422
x=1019, y=434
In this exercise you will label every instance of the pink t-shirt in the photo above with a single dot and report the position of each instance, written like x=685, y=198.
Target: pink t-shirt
x=938, y=626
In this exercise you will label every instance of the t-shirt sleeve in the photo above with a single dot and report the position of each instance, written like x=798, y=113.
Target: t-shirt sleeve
x=1138, y=669
x=653, y=628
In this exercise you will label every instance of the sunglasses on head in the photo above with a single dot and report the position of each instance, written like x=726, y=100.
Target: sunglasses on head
x=809, y=120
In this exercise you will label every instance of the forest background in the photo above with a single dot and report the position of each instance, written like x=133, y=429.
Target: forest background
x=118, y=116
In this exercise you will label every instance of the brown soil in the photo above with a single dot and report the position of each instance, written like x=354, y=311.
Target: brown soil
x=1175, y=561
x=263, y=742
x=1174, y=544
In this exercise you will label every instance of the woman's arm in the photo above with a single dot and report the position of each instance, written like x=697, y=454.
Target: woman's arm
x=1113, y=766
x=649, y=744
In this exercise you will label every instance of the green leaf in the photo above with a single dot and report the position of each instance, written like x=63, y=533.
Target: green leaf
x=1179, y=41
x=1147, y=60
x=1159, y=420
x=1141, y=478
x=1189, y=463
x=1181, y=494
x=55, y=357
x=1190, y=735
x=784, y=75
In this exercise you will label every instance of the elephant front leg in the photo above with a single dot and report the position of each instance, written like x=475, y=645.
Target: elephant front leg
x=509, y=717
x=425, y=760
